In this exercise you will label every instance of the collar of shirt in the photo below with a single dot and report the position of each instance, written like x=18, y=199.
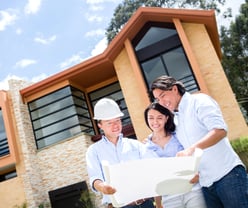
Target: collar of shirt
x=107, y=140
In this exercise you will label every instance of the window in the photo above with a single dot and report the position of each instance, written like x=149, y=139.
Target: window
x=4, y=147
x=160, y=52
x=114, y=91
x=59, y=115
x=73, y=196
x=8, y=175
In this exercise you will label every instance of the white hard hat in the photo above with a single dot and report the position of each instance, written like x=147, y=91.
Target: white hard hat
x=106, y=109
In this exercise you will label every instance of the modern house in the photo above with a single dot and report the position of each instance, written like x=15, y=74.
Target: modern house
x=47, y=126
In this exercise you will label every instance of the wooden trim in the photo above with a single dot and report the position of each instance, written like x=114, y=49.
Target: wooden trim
x=45, y=91
x=136, y=68
x=191, y=57
x=102, y=84
x=12, y=158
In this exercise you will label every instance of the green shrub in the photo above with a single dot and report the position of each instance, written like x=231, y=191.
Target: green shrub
x=240, y=146
x=24, y=205
x=87, y=199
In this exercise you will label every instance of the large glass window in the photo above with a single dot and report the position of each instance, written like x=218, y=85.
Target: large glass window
x=160, y=52
x=114, y=92
x=4, y=147
x=59, y=115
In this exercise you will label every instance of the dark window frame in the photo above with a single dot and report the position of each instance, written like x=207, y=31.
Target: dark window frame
x=159, y=49
x=127, y=129
x=43, y=132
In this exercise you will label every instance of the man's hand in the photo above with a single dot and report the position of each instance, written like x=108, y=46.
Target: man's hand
x=103, y=187
x=107, y=189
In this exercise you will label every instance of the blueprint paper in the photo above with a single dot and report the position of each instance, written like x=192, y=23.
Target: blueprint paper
x=146, y=178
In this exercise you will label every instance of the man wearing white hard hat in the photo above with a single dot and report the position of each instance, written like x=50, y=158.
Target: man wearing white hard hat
x=110, y=148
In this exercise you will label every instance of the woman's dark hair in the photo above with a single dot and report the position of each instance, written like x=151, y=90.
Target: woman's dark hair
x=170, y=125
x=166, y=83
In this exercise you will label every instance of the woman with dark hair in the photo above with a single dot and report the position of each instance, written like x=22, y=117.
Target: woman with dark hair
x=163, y=141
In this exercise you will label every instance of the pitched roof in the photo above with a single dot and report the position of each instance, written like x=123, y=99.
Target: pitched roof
x=99, y=68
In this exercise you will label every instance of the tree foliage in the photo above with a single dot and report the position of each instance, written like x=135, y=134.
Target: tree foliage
x=234, y=44
x=125, y=10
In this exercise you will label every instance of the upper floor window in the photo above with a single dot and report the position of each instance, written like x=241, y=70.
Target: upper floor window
x=59, y=115
x=160, y=52
x=4, y=147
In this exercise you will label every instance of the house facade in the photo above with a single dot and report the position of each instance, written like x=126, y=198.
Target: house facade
x=47, y=126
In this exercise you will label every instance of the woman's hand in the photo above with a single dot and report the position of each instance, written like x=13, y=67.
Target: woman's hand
x=195, y=179
x=187, y=152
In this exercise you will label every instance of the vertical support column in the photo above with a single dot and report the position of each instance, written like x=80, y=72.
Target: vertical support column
x=133, y=88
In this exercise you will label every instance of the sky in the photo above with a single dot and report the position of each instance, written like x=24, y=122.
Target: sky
x=39, y=38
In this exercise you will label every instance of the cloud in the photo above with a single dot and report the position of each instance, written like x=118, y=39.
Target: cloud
x=25, y=63
x=77, y=58
x=94, y=18
x=93, y=33
x=6, y=18
x=74, y=59
x=32, y=7
x=234, y=6
x=100, y=47
x=39, y=77
x=94, y=4
x=96, y=7
x=18, y=31
x=4, y=85
x=101, y=1
x=45, y=41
